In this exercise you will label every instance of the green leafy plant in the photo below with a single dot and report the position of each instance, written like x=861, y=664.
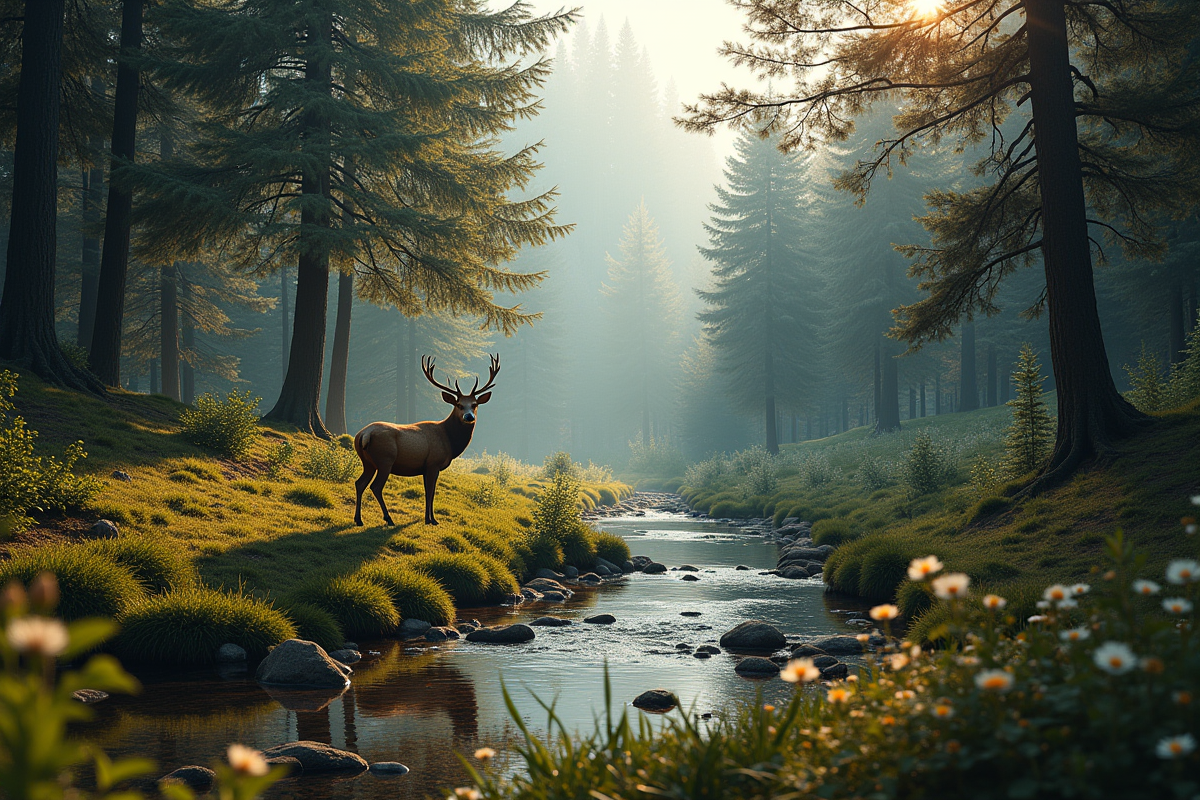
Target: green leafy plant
x=612, y=548
x=874, y=473
x=928, y=466
x=279, y=458
x=485, y=493
x=332, y=463
x=229, y=426
x=559, y=463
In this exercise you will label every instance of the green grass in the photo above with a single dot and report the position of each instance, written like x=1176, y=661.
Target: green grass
x=360, y=607
x=612, y=548
x=90, y=585
x=415, y=594
x=157, y=565
x=465, y=578
x=315, y=625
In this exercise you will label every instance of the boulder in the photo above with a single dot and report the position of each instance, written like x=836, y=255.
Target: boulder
x=807, y=651
x=835, y=672
x=683, y=646
x=689, y=613
x=807, y=553
x=530, y=594
x=627, y=566
x=196, y=778
x=687, y=568
x=550, y=622
x=294, y=767
x=603, y=571
x=512, y=599
x=742, y=568
x=466, y=627
x=121, y=476
x=839, y=645
x=103, y=529
x=318, y=757
x=640, y=562
x=547, y=585
x=659, y=700
x=600, y=619
x=793, y=572
x=823, y=661
x=504, y=634
x=441, y=634
x=590, y=577
x=757, y=667
x=549, y=574
x=608, y=565
x=346, y=655
x=571, y=572
x=554, y=597
x=753, y=636
x=390, y=769
x=712, y=650
x=89, y=696
x=654, y=568
x=689, y=577
x=349, y=645
x=413, y=628
x=701, y=654
x=296, y=662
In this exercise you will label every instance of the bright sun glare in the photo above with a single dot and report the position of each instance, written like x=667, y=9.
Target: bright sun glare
x=925, y=8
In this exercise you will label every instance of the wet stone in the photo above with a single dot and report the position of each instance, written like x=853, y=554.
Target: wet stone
x=656, y=700
x=689, y=613
x=600, y=619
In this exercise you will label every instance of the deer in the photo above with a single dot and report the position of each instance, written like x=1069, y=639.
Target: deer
x=421, y=448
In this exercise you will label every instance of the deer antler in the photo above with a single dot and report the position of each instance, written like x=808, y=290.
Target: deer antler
x=493, y=370
x=427, y=368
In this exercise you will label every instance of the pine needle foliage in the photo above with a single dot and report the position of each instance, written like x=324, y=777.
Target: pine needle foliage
x=1150, y=391
x=1032, y=433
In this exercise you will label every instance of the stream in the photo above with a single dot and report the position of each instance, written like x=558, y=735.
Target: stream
x=420, y=703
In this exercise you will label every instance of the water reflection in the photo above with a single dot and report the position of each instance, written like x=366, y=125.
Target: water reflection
x=420, y=704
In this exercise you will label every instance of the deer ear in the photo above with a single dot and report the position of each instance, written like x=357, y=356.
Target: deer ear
x=483, y=398
x=449, y=398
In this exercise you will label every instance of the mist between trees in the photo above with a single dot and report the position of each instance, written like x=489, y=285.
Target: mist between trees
x=713, y=303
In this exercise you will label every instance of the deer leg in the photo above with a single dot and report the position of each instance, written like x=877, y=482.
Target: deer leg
x=430, y=488
x=360, y=486
x=377, y=485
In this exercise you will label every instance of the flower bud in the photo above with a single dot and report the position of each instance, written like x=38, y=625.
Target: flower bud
x=43, y=592
x=13, y=597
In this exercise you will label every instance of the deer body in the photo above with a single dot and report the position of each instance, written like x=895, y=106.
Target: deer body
x=422, y=448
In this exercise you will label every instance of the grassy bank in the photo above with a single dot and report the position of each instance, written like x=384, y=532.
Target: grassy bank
x=855, y=482
x=255, y=549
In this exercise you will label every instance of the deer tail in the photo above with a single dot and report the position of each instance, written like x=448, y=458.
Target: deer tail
x=363, y=440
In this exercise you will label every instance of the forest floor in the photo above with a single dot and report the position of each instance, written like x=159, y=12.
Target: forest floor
x=244, y=528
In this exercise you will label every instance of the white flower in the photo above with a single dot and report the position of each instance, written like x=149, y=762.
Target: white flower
x=1183, y=570
x=951, y=585
x=1036, y=618
x=1177, y=605
x=1175, y=746
x=485, y=754
x=994, y=602
x=884, y=612
x=1146, y=587
x=1196, y=499
x=1042, y=604
x=1074, y=634
x=1055, y=593
x=1067, y=604
x=40, y=635
x=994, y=680
x=922, y=568
x=1115, y=658
x=247, y=760
x=800, y=670
x=898, y=661
x=1080, y=588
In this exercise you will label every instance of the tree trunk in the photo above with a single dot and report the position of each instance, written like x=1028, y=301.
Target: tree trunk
x=1091, y=413
x=169, y=331
x=335, y=401
x=300, y=397
x=888, y=416
x=969, y=384
x=27, y=334
x=1005, y=381
x=922, y=397
x=187, y=336
x=993, y=379
x=105, y=359
x=92, y=200
x=1176, y=325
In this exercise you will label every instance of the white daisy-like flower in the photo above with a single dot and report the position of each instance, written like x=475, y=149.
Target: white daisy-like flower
x=1115, y=658
x=994, y=680
x=1042, y=604
x=1147, y=588
x=1036, y=618
x=898, y=661
x=1078, y=589
x=1056, y=592
x=1183, y=571
x=800, y=670
x=38, y=635
x=921, y=568
x=884, y=612
x=1067, y=604
x=1175, y=746
x=1074, y=634
x=247, y=760
x=994, y=602
x=951, y=585
x=1177, y=605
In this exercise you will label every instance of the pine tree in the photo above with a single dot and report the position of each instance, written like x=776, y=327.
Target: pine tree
x=1031, y=436
x=642, y=314
x=431, y=199
x=1184, y=385
x=762, y=316
x=1149, y=390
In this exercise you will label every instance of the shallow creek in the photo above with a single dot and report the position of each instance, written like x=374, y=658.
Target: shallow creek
x=419, y=703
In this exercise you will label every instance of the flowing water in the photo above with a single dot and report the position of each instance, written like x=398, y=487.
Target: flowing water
x=419, y=703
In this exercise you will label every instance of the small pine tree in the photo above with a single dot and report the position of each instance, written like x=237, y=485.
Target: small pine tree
x=1184, y=385
x=1149, y=392
x=1029, y=439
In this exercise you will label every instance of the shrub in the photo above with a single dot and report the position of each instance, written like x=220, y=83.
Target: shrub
x=817, y=471
x=913, y=599
x=415, y=594
x=330, y=462
x=608, y=497
x=485, y=493
x=761, y=478
x=501, y=582
x=655, y=456
x=309, y=496
x=315, y=624
x=228, y=426
x=189, y=625
x=578, y=546
x=460, y=574
x=710, y=474
x=612, y=548
x=361, y=608
x=928, y=466
x=874, y=473
x=278, y=458
x=884, y=566
x=559, y=463
x=90, y=586
x=984, y=475
x=835, y=532
x=559, y=533
x=31, y=482
x=158, y=566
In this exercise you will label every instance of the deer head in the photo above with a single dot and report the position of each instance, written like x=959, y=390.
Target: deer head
x=465, y=403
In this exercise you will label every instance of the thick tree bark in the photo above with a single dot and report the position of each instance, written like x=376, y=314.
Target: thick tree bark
x=888, y=417
x=968, y=383
x=105, y=358
x=154, y=376
x=300, y=396
x=187, y=336
x=992, y=377
x=27, y=334
x=339, y=363
x=169, y=331
x=92, y=202
x=1091, y=413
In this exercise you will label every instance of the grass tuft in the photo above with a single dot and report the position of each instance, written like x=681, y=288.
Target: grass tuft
x=612, y=548
x=309, y=496
x=90, y=586
x=834, y=532
x=415, y=595
x=157, y=565
x=315, y=624
x=464, y=577
x=361, y=608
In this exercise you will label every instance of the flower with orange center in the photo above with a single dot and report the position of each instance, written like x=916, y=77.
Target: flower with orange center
x=247, y=760
x=994, y=680
x=1183, y=571
x=1175, y=746
x=466, y=793
x=898, y=661
x=887, y=719
x=838, y=695
x=800, y=670
x=1074, y=634
x=1146, y=588
x=921, y=568
x=1152, y=665
x=884, y=612
x=951, y=586
x=943, y=710
x=994, y=602
x=485, y=754
x=1182, y=697
x=1115, y=658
